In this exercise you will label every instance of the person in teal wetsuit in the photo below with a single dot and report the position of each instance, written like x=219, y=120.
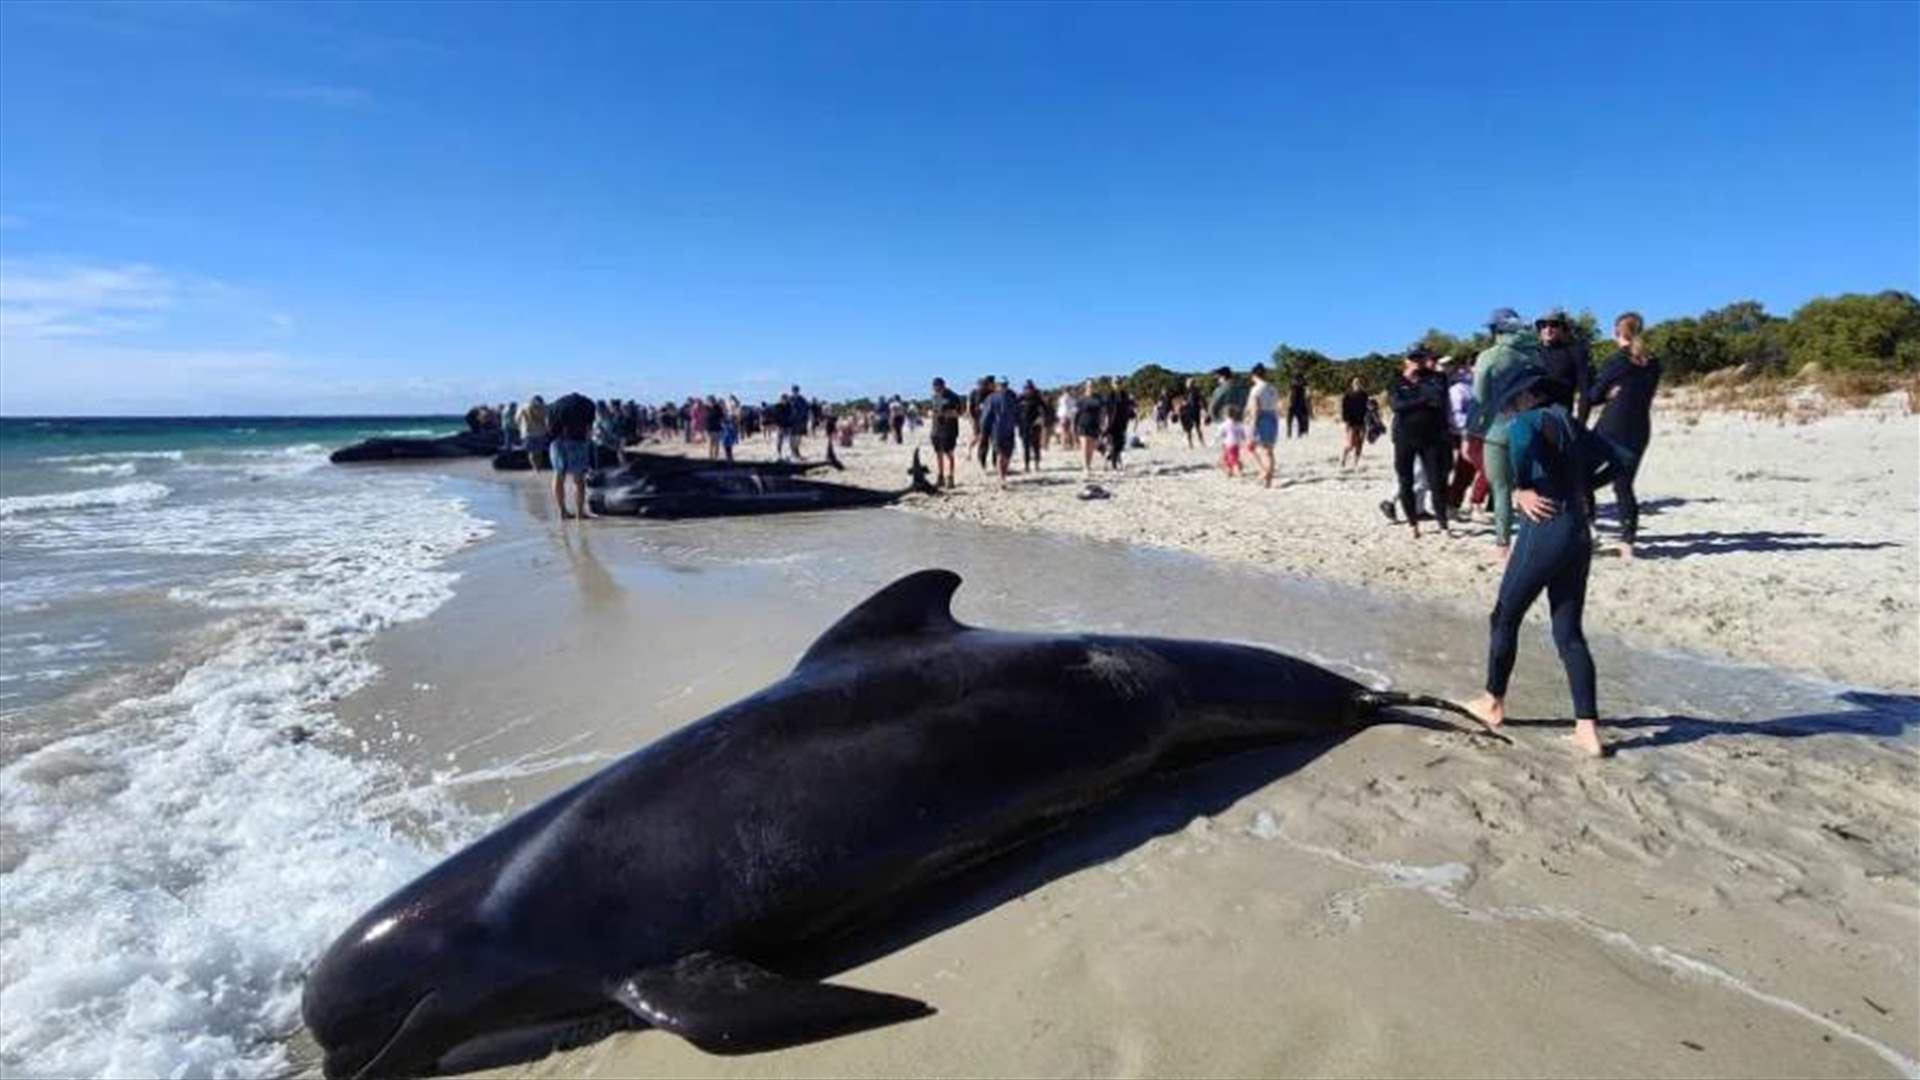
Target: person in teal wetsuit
x=1555, y=466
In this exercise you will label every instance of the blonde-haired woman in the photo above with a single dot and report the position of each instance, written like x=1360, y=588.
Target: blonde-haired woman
x=1626, y=386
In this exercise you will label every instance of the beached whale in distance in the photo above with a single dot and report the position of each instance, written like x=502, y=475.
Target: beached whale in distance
x=403, y=448
x=741, y=492
x=693, y=885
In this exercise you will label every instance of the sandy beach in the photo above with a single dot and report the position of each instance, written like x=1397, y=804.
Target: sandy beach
x=1732, y=893
x=1785, y=544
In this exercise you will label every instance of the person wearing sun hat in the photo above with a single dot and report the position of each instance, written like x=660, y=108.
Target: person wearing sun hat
x=1513, y=345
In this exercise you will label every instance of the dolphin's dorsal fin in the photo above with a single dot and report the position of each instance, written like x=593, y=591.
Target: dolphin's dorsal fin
x=920, y=603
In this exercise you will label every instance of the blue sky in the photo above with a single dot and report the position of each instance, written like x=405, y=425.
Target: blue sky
x=231, y=207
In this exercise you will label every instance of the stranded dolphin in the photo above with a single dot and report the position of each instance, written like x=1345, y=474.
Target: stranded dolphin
x=672, y=888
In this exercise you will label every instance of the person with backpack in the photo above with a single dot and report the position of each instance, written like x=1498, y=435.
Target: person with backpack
x=570, y=422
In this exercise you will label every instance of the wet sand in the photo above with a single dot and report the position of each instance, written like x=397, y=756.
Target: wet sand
x=1734, y=892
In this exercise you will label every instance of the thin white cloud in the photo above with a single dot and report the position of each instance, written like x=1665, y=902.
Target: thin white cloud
x=82, y=301
x=332, y=97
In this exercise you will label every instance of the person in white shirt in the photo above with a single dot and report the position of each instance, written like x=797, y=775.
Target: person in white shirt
x=1232, y=436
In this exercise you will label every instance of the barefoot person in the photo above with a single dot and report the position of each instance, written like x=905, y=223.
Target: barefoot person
x=1086, y=424
x=1552, y=475
x=1035, y=415
x=1353, y=413
x=945, y=435
x=1263, y=406
x=1512, y=346
x=1000, y=424
x=1625, y=387
x=570, y=422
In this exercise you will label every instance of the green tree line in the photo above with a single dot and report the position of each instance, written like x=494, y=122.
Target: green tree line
x=1853, y=332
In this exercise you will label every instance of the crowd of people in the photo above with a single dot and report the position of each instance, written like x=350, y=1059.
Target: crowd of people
x=1498, y=431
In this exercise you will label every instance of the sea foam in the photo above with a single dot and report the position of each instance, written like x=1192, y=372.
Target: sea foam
x=142, y=491
x=168, y=876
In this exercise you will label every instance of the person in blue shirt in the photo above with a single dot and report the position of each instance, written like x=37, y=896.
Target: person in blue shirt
x=1555, y=466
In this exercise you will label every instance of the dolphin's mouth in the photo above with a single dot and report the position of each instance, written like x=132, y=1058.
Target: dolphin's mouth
x=343, y=1063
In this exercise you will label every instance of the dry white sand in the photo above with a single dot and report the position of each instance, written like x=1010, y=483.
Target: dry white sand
x=1790, y=545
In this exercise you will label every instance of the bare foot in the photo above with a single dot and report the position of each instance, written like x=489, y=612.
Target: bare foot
x=566, y=515
x=1489, y=710
x=1586, y=738
x=1626, y=551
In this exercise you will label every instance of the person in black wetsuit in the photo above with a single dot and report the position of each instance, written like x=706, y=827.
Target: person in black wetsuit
x=1086, y=422
x=946, y=407
x=1034, y=415
x=1191, y=408
x=1566, y=361
x=1299, y=406
x=1625, y=388
x=1418, y=397
x=1353, y=413
x=1555, y=465
x=1119, y=413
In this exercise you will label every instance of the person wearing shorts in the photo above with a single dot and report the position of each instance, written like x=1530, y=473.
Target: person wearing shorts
x=570, y=421
x=1263, y=401
x=945, y=435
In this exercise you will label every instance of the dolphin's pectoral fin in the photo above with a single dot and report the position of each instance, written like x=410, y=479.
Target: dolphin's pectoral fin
x=725, y=1005
x=920, y=603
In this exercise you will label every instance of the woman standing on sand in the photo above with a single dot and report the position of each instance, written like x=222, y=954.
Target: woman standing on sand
x=1626, y=386
x=1353, y=413
x=1086, y=424
x=1263, y=402
x=1553, y=549
x=533, y=431
x=1190, y=410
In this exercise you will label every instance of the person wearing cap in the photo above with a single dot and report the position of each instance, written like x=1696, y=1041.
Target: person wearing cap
x=999, y=424
x=1418, y=398
x=945, y=435
x=1513, y=345
x=1034, y=415
x=1555, y=466
x=1566, y=360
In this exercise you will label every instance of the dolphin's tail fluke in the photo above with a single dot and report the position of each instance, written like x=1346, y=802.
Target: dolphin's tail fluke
x=1375, y=700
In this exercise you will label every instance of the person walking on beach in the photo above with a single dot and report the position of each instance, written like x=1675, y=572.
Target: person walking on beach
x=1224, y=395
x=1512, y=346
x=945, y=435
x=1466, y=449
x=1299, y=405
x=1263, y=404
x=569, y=450
x=1553, y=477
x=1086, y=424
x=1119, y=413
x=799, y=419
x=1190, y=408
x=897, y=419
x=1565, y=359
x=1035, y=417
x=1065, y=408
x=1232, y=436
x=1000, y=421
x=1353, y=414
x=533, y=430
x=1418, y=398
x=1625, y=388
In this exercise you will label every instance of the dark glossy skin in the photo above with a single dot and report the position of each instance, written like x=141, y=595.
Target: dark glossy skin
x=464, y=444
x=739, y=492
x=902, y=749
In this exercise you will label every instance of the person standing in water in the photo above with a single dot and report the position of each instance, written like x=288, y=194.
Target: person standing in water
x=1263, y=403
x=1353, y=413
x=1299, y=405
x=1418, y=398
x=570, y=451
x=1553, y=477
x=1512, y=346
x=1625, y=387
x=945, y=435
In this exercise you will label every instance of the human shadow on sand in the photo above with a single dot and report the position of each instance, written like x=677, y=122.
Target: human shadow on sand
x=1684, y=545
x=1883, y=716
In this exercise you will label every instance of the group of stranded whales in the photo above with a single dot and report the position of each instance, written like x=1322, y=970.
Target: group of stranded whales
x=666, y=486
x=700, y=884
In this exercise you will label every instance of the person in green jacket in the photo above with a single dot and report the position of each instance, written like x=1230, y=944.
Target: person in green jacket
x=1513, y=343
